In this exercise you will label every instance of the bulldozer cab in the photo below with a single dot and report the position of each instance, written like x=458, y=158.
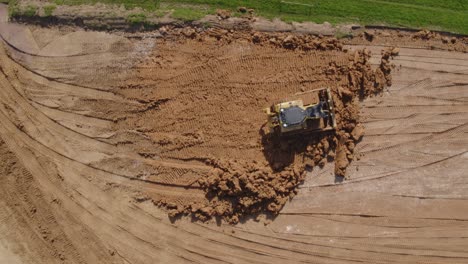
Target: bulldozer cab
x=293, y=116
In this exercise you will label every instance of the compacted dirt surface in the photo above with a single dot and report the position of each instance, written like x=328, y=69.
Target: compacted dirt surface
x=152, y=148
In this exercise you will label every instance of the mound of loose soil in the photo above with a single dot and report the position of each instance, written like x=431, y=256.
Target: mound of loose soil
x=424, y=39
x=214, y=84
x=238, y=189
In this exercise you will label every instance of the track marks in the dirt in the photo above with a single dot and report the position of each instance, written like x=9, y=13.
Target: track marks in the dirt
x=57, y=156
x=225, y=80
x=48, y=131
x=33, y=213
x=63, y=90
x=433, y=137
x=79, y=194
x=440, y=115
x=137, y=236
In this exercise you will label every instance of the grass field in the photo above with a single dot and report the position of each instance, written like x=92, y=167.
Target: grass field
x=449, y=15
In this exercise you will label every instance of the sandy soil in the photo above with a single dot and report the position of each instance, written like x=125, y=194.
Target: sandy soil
x=96, y=134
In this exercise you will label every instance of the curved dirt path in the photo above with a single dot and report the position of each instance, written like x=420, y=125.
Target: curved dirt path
x=69, y=179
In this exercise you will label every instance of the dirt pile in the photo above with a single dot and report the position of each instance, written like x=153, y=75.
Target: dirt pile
x=297, y=42
x=250, y=170
x=223, y=14
x=237, y=189
x=424, y=39
x=425, y=35
x=277, y=39
x=369, y=36
x=363, y=82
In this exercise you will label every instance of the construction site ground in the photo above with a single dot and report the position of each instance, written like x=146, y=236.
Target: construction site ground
x=111, y=147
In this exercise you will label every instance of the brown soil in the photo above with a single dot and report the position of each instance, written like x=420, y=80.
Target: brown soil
x=422, y=39
x=207, y=108
x=95, y=132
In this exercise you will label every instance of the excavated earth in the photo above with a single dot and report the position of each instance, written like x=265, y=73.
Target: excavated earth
x=152, y=148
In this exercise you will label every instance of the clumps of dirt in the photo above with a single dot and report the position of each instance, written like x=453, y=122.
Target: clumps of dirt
x=245, y=10
x=447, y=40
x=385, y=68
x=189, y=32
x=450, y=43
x=369, y=36
x=236, y=188
x=363, y=82
x=273, y=168
x=423, y=38
x=242, y=9
x=296, y=42
x=345, y=142
x=425, y=35
x=272, y=39
x=223, y=14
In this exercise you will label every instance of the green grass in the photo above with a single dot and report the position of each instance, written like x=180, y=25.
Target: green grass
x=30, y=10
x=136, y=18
x=49, y=9
x=149, y=5
x=448, y=15
x=188, y=14
x=15, y=10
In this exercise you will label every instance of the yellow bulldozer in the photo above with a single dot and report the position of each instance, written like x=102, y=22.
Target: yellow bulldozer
x=293, y=117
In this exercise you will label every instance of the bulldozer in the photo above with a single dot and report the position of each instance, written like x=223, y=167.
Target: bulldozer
x=293, y=117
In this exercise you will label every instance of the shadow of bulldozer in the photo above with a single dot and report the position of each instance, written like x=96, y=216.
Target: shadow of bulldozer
x=282, y=151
